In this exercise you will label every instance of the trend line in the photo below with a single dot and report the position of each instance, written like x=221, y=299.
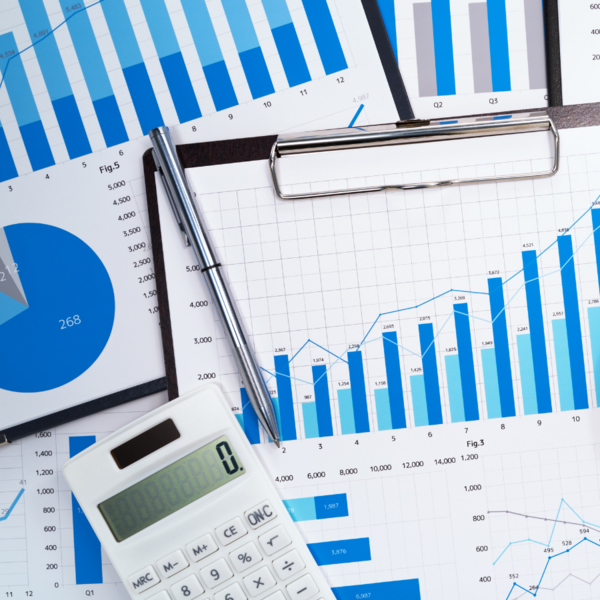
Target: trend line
x=552, y=589
x=556, y=520
x=12, y=506
x=537, y=587
x=44, y=38
x=356, y=115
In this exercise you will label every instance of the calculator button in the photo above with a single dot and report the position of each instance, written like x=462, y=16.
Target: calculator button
x=260, y=514
x=277, y=596
x=201, y=548
x=289, y=564
x=172, y=564
x=143, y=580
x=245, y=557
x=216, y=574
x=274, y=540
x=234, y=592
x=302, y=588
x=187, y=589
x=164, y=595
x=260, y=581
x=231, y=531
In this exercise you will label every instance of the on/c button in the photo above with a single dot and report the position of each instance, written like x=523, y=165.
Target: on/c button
x=231, y=531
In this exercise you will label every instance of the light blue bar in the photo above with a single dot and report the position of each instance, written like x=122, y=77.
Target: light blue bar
x=490, y=382
x=346, y=411
x=302, y=509
x=241, y=25
x=594, y=321
x=161, y=28
x=240, y=419
x=384, y=411
x=563, y=364
x=455, y=391
x=417, y=388
x=203, y=32
x=121, y=32
x=278, y=13
x=311, y=425
x=530, y=406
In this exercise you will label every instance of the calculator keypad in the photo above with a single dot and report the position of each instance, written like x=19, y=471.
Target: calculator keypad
x=258, y=576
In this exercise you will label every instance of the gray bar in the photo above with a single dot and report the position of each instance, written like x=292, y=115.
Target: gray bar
x=425, y=49
x=480, y=48
x=536, y=47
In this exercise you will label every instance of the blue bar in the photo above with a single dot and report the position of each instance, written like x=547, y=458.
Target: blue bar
x=419, y=398
x=248, y=47
x=346, y=411
x=301, y=509
x=382, y=406
x=596, y=226
x=394, y=379
x=388, y=13
x=95, y=75
x=499, y=57
x=538, y=336
x=563, y=364
x=322, y=401
x=444, y=51
x=23, y=105
x=430, y=374
x=490, y=382
x=171, y=60
x=286, y=400
x=359, y=391
x=571, y=301
x=594, y=322
x=501, y=349
x=250, y=418
x=287, y=42
x=341, y=552
x=317, y=508
x=407, y=589
x=8, y=169
x=455, y=389
x=465, y=359
x=309, y=416
x=132, y=63
x=530, y=404
x=56, y=79
x=326, y=36
x=88, y=557
x=209, y=51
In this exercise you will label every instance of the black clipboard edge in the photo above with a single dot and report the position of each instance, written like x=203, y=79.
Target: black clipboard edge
x=388, y=59
x=83, y=410
x=553, y=64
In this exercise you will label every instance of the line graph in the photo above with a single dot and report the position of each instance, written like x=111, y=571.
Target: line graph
x=12, y=506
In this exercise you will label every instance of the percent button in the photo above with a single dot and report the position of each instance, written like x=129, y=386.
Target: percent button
x=245, y=557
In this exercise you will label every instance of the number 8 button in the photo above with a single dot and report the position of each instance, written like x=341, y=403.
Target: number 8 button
x=187, y=589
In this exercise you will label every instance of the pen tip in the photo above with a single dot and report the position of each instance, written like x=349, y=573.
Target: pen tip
x=277, y=443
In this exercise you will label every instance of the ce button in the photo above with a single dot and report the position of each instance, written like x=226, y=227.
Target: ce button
x=231, y=531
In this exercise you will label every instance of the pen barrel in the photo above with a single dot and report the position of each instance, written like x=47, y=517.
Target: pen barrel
x=188, y=216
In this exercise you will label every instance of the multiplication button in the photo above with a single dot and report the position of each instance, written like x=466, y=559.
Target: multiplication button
x=260, y=581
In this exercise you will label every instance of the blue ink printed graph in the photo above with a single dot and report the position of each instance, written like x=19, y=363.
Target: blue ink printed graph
x=179, y=75
x=14, y=503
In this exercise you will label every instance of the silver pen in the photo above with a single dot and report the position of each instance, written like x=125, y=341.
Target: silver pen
x=194, y=233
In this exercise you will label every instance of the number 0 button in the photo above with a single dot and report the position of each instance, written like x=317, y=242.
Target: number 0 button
x=187, y=589
x=216, y=574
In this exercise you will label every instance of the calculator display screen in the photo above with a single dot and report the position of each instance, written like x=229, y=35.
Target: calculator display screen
x=171, y=488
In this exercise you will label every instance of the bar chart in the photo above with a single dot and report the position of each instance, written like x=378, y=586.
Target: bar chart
x=207, y=57
x=451, y=52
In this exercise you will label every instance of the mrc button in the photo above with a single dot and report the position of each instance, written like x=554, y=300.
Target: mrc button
x=143, y=580
x=259, y=515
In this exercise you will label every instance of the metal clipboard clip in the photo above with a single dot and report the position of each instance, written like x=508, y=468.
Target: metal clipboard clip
x=412, y=132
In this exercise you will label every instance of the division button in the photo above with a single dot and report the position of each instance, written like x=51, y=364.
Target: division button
x=172, y=564
x=259, y=582
x=302, y=588
x=143, y=580
x=289, y=564
x=233, y=592
x=216, y=574
x=187, y=589
x=259, y=515
x=201, y=548
x=273, y=541
x=231, y=531
x=245, y=557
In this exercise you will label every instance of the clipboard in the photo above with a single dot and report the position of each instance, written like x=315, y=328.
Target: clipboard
x=265, y=148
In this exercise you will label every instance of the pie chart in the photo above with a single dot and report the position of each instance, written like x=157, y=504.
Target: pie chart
x=57, y=307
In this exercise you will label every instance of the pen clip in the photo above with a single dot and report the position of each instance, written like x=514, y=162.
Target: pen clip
x=184, y=235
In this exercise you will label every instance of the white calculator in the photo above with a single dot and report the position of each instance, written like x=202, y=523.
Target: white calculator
x=185, y=510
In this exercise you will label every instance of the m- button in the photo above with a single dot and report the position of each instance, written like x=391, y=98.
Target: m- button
x=260, y=514
x=143, y=580
x=229, y=532
x=172, y=564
